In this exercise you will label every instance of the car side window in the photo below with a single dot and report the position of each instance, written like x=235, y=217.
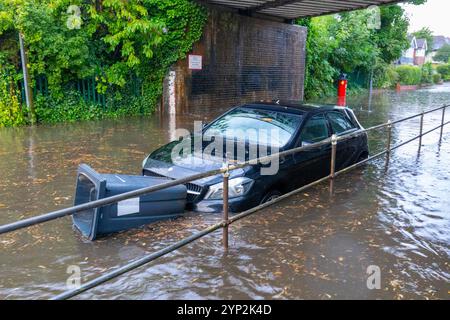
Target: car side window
x=315, y=130
x=339, y=122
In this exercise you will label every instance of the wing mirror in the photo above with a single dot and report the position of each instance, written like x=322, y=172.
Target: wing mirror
x=306, y=143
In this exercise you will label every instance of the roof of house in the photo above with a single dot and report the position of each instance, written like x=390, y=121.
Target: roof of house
x=439, y=42
x=422, y=44
x=412, y=41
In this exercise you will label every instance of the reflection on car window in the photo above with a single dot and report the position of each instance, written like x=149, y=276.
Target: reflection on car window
x=256, y=126
x=339, y=122
x=316, y=129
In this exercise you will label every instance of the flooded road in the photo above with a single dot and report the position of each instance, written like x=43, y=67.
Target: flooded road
x=311, y=246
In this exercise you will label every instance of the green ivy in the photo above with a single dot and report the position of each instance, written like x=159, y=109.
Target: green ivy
x=10, y=109
x=71, y=108
x=110, y=39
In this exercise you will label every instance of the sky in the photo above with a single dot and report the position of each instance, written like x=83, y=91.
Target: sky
x=434, y=14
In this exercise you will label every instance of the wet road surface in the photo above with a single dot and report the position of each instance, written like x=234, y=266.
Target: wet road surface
x=314, y=245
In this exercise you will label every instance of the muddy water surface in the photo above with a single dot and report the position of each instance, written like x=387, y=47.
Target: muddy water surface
x=315, y=245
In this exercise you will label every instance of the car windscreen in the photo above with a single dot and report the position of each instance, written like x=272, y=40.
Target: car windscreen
x=256, y=126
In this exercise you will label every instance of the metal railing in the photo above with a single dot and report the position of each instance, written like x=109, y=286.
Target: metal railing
x=226, y=220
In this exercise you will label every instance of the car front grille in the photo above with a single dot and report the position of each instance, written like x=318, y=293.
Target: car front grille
x=194, y=191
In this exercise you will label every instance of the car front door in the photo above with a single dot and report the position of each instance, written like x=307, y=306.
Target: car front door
x=346, y=150
x=313, y=164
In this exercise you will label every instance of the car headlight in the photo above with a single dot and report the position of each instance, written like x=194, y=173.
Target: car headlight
x=236, y=187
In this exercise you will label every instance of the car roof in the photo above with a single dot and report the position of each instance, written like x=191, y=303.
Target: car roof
x=292, y=106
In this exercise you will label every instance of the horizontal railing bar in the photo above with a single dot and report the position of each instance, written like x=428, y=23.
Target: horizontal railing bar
x=131, y=194
x=425, y=133
x=114, y=199
x=405, y=119
x=100, y=203
x=386, y=151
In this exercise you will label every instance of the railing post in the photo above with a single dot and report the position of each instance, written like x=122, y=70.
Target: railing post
x=333, y=155
x=226, y=175
x=389, y=138
x=442, y=122
x=421, y=131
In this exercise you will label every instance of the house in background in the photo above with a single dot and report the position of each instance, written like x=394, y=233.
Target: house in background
x=408, y=55
x=438, y=42
x=416, y=53
x=421, y=52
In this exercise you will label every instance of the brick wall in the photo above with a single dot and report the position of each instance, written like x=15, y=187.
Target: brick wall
x=244, y=59
x=419, y=60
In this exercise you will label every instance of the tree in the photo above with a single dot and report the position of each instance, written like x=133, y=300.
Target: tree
x=319, y=73
x=391, y=38
x=443, y=54
x=425, y=33
x=345, y=43
x=55, y=50
x=130, y=35
x=355, y=49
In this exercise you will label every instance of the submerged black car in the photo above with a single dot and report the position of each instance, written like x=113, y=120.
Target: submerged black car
x=241, y=134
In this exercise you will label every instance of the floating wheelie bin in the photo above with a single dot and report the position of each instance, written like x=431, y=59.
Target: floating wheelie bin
x=127, y=214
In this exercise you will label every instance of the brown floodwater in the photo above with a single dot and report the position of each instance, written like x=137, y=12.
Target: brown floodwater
x=314, y=245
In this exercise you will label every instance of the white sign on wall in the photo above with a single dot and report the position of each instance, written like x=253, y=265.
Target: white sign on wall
x=195, y=62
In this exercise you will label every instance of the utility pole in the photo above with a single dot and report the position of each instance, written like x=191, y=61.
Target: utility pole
x=371, y=88
x=26, y=81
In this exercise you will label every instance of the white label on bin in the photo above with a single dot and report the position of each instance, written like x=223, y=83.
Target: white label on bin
x=129, y=206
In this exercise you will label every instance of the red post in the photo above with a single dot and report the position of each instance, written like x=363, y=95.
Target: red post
x=342, y=90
